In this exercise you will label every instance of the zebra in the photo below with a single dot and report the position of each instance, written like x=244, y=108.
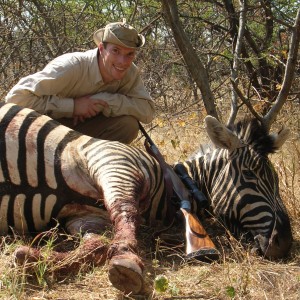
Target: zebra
x=239, y=180
x=50, y=173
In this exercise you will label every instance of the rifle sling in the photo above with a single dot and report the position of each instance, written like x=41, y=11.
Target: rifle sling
x=170, y=214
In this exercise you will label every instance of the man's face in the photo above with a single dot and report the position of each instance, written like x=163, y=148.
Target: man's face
x=114, y=61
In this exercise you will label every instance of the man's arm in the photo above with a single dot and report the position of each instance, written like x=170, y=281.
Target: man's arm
x=39, y=91
x=142, y=109
x=53, y=90
x=131, y=98
x=56, y=107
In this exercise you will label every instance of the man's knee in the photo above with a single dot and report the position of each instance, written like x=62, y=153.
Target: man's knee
x=127, y=129
x=123, y=128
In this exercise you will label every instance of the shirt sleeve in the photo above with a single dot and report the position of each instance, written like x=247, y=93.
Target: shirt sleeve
x=131, y=99
x=39, y=91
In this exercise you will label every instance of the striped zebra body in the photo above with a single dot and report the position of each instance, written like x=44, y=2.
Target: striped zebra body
x=49, y=172
x=242, y=185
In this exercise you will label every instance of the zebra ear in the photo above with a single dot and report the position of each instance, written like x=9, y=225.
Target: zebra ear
x=280, y=137
x=221, y=136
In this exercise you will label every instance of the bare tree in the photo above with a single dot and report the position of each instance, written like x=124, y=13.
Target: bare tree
x=193, y=49
x=189, y=55
x=251, y=67
x=288, y=75
x=236, y=60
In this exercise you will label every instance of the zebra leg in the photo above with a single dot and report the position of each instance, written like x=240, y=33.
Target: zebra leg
x=91, y=251
x=125, y=269
x=125, y=266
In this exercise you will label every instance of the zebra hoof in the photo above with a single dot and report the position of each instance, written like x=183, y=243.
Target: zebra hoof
x=126, y=274
x=26, y=255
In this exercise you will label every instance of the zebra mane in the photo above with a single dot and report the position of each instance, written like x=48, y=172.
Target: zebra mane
x=202, y=150
x=256, y=135
x=251, y=131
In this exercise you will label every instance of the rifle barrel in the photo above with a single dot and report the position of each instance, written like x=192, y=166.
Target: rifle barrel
x=146, y=134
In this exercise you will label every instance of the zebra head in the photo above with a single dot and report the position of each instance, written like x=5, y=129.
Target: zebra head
x=243, y=186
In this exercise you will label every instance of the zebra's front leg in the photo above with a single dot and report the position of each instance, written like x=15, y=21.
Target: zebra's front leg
x=125, y=266
x=91, y=251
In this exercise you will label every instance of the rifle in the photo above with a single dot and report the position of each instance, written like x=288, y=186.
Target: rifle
x=198, y=243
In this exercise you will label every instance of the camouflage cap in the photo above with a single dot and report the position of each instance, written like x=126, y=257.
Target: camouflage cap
x=121, y=34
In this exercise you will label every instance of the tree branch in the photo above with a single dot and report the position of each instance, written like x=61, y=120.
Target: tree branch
x=194, y=65
x=288, y=75
x=236, y=58
x=246, y=101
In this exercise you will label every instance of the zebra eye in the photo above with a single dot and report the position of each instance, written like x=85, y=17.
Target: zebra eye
x=249, y=174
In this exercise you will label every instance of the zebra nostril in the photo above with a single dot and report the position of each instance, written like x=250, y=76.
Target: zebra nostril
x=274, y=240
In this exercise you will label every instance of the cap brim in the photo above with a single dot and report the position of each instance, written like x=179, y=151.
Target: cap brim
x=98, y=36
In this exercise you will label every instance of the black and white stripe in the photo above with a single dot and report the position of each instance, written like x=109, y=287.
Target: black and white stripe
x=242, y=185
x=49, y=172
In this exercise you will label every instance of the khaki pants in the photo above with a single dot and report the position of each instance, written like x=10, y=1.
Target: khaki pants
x=123, y=129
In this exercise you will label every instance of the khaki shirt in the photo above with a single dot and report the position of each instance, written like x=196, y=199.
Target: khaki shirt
x=52, y=90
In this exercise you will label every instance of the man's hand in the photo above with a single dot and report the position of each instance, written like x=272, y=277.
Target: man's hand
x=85, y=108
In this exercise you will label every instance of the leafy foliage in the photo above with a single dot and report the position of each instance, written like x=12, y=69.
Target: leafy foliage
x=34, y=32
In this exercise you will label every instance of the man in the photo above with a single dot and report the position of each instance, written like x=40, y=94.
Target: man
x=98, y=92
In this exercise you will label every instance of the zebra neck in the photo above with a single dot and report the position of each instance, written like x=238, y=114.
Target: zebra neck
x=201, y=174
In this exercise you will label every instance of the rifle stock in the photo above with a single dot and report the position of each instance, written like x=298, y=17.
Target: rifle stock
x=198, y=243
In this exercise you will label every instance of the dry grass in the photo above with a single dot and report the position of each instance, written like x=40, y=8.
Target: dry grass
x=239, y=274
